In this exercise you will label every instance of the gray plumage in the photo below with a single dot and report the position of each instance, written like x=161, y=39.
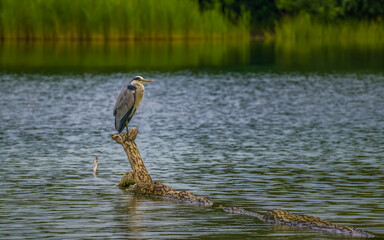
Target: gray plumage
x=127, y=102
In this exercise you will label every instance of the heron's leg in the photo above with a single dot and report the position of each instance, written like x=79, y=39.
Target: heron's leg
x=126, y=124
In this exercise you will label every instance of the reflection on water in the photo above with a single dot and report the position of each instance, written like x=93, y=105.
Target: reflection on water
x=319, y=55
x=170, y=56
x=122, y=56
x=308, y=143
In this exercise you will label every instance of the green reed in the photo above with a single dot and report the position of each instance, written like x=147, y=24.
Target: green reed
x=306, y=28
x=115, y=20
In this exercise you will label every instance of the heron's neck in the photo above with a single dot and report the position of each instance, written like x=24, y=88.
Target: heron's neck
x=137, y=84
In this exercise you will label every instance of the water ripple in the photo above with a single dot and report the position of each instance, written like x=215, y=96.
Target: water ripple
x=307, y=143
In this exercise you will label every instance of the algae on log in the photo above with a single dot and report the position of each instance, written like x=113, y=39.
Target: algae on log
x=127, y=180
x=143, y=180
x=145, y=186
x=140, y=173
x=285, y=217
x=304, y=221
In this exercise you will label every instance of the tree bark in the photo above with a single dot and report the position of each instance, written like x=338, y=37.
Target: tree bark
x=143, y=180
x=140, y=173
x=284, y=217
x=145, y=186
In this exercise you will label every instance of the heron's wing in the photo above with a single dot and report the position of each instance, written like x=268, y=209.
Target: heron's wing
x=123, y=106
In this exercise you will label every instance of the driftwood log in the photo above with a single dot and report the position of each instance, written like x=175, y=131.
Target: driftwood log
x=141, y=178
x=284, y=217
x=143, y=185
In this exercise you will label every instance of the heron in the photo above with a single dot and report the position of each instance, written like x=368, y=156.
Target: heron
x=128, y=101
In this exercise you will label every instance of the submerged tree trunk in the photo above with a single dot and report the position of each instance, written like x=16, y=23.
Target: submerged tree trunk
x=143, y=180
x=144, y=186
x=140, y=174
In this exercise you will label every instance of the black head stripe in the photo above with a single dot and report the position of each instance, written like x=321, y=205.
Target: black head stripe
x=137, y=78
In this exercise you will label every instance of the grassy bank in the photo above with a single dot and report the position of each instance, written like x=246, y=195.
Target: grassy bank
x=115, y=20
x=305, y=28
x=110, y=20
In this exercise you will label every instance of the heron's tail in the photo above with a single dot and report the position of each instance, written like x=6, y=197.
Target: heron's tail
x=117, y=125
x=120, y=123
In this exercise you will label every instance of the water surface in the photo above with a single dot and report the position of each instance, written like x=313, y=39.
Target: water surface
x=312, y=56
x=249, y=134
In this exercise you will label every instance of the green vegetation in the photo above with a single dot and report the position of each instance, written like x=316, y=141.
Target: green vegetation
x=105, y=20
x=297, y=20
x=304, y=27
x=331, y=10
x=115, y=20
x=356, y=21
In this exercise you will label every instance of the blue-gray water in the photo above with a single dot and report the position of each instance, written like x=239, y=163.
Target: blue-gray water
x=310, y=142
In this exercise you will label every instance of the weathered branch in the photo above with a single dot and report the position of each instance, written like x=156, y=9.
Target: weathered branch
x=301, y=221
x=96, y=165
x=140, y=173
x=145, y=186
x=127, y=180
x=143, y=180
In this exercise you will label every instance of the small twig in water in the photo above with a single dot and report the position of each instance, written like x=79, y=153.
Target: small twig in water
x=96, y=165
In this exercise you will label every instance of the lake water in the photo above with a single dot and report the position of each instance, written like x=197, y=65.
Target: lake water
x=255, y=125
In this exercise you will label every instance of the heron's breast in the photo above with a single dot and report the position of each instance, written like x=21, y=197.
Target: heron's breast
x=139, y=95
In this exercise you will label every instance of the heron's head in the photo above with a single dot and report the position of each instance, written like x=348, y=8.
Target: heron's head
x=140, y=80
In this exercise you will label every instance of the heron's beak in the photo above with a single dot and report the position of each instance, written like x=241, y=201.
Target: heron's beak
x=147, y=81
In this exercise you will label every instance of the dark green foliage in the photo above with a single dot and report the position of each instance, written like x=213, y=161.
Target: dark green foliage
x=364, y=9
x=266, y=13
x=323, y=9
x=263, y=12
x=330, y=10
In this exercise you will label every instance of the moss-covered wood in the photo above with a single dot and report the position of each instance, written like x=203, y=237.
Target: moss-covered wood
x=143, y=185
x=285, y=217
x=141, y=178
x=140, y=173
x=127, y=180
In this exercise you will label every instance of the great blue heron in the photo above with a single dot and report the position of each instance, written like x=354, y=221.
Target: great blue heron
x=128, y=101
